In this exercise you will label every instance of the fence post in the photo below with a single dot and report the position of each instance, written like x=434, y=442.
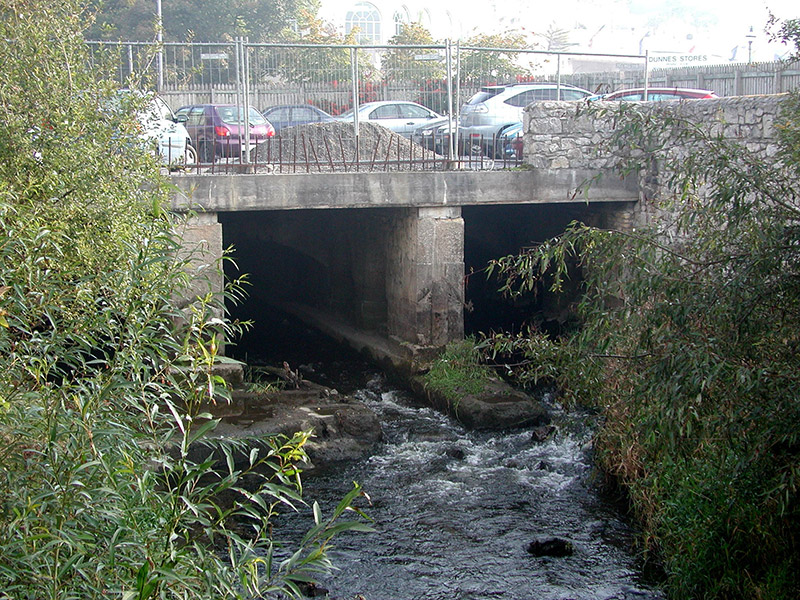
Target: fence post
x=160, y=39
x=238, y=52
x=558, y=75
x=246, y=96
x=458, y=93
x=646, y=72
x=448, y=52
x=130, y=60
x=354, y=75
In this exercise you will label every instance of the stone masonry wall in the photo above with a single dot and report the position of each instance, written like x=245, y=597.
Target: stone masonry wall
x=571, y=135
x=562, y=135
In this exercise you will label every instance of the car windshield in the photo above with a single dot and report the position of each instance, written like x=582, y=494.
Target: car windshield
x=349, y=113
x=234, y=115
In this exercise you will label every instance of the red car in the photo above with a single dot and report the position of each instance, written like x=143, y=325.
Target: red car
x=218, y=130
x=659, y=93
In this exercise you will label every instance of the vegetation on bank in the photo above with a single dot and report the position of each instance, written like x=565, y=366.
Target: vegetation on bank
x=457, y=371
x=689, y=345
x=103, y=370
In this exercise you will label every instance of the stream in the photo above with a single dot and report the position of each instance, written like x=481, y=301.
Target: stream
x=454, y=511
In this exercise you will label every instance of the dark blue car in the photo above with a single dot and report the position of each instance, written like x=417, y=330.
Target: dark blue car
x=290, y=115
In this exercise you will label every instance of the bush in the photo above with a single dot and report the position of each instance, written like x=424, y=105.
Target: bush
x=689, y=344
x=102, y=377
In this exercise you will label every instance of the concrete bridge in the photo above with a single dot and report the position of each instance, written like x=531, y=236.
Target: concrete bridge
x=386, y=254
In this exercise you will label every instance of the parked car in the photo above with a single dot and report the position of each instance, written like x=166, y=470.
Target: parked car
x=290, y=115
x=496, y=107
x=157, y=126
x=659, y=93
x=435, y=135
x=399, y=116
x=162, y=126
x=218, y=129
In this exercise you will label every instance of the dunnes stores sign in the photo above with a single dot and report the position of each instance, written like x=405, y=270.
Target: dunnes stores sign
x=677, y=60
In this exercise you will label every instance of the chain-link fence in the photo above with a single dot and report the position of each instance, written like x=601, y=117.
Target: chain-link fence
x=324, y=76
x=441, y=77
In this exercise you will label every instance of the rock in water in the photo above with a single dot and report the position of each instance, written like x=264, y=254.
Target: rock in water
x=550, y=547
x=542, y=433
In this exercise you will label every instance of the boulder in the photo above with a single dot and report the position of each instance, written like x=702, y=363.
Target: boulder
x=342, y=427
x=550, y=547
x=497, y=406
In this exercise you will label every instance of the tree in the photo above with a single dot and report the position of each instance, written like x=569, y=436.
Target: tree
x=409, y=64
x=196, y=20
x=689, y=345
x=104, y=375
x=556, y=39
x=496, y=62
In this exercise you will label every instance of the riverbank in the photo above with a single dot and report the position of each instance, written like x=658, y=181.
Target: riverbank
x=343, y=427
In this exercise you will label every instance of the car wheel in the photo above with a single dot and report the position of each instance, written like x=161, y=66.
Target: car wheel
x=497, y=151
x=500, y=140
x=190, y=156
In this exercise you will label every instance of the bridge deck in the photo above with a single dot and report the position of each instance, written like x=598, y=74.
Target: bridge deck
x=245, y=192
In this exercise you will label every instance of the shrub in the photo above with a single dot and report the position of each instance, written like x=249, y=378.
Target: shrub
x=102, y=376
x=689, y=344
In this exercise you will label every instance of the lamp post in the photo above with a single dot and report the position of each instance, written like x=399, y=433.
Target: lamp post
x=750, y=37
x=160, y=39
x=641, y=42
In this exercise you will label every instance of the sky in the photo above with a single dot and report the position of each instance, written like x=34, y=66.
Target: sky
x=627, y=26
x=717, y=29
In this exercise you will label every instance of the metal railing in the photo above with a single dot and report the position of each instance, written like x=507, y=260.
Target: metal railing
x=337, y=149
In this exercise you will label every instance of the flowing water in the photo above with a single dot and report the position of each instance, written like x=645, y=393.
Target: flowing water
x=455, y=511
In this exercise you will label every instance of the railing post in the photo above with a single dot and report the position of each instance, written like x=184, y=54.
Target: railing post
x=646, y=72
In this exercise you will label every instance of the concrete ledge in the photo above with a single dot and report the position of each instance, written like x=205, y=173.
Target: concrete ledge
x=229, y=193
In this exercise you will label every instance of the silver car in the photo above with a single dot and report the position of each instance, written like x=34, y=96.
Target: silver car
x=497, y=106
x=399, y=116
